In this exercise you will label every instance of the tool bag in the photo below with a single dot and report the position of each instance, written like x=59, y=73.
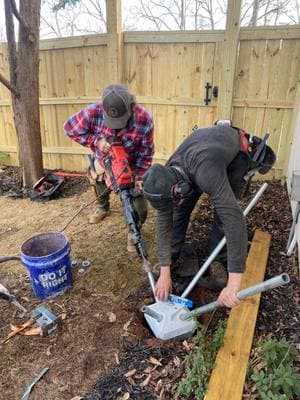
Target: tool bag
x=261, y=156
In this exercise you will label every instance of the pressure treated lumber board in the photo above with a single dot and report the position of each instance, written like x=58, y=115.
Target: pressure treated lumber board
x=228, y=376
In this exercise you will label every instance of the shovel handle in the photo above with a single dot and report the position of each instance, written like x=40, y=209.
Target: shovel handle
x=8, y=258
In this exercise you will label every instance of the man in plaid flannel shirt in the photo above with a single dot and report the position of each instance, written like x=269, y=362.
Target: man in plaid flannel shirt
x=119, y=114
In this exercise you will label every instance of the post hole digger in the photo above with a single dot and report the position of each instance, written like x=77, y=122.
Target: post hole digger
x=170, y=319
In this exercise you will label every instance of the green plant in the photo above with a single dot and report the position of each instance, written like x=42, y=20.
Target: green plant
x=278, y=352
x=199, y=364
x=276, y=380
x=283, y=180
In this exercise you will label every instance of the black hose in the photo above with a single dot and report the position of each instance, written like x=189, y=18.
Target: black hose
x=8, y=258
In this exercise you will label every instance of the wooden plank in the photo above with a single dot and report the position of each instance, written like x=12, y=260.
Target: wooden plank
x=272, y=125
x=227, y=379
x=4, y=70
x=217, y=66
x=115, y=43
x=138, y=68
x=242, y=75
x=114, y=16
x=294, y=163
x=270, y=32
x=285, y=148
x=229, y=58
x=292, y=50
x=115, y=57
x=175, y=37
x=80, y=150
x=252, y=103
x=59, y=72
x=74, y=41
x=175, y=101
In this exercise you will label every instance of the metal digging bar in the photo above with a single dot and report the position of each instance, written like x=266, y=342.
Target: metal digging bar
x=269, y=284
x=221, y=245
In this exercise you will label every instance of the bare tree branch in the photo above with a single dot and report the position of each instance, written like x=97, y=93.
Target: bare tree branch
x=18, y=16
x=253, y=20
x=55, y=31
x=9, y=86
x=158, y=21
x=11, y=42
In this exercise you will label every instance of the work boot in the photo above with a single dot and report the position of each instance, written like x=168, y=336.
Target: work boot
x=187, y=263
x=130, y=243
x=98, y=216
x=217, y=279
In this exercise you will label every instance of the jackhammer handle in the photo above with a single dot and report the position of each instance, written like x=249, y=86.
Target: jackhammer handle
x=8, y=258
x=269, y=284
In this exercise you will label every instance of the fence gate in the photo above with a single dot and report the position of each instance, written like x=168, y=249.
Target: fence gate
x=176, y=82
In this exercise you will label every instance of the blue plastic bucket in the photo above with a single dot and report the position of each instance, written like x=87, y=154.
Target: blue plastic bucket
x=47, y=258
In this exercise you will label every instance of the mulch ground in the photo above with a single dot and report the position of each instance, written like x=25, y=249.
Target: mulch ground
x=131, y=363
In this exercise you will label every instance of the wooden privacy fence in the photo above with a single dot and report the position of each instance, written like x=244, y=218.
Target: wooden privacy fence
x=256, y=71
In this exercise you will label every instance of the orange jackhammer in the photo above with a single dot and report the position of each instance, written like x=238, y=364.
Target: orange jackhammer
x=119, y=178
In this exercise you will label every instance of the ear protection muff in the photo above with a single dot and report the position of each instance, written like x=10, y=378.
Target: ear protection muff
x=167, y=193
x=181, y=190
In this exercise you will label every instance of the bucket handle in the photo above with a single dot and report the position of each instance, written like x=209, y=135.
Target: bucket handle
x=8, y=258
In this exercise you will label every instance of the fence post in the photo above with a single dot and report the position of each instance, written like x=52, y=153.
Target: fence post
x=115, y=43
x=229, y=59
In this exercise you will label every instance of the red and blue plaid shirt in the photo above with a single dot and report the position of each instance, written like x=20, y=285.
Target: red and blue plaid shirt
x=87, y=128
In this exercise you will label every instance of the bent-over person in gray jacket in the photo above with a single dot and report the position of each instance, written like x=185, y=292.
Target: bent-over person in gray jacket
x=209, y=161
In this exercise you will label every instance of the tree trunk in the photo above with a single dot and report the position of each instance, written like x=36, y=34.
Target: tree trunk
x=25, y=77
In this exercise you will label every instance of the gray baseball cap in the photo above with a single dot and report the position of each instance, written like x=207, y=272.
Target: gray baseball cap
x=116, y=101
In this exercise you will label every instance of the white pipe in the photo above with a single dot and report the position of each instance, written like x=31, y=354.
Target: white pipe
x=221, y=244
x=292, y=245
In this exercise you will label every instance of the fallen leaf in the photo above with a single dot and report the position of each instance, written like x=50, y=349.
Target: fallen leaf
x=48, y=352
x=125, y=327
x=154, y=361
x=158, y=386
x=146, y=381
x=63, y=388
x=125, y=396
x=26, y=299
x=63, y=316
x=77, y=398
x=176, y=361
x=256, y=368
x=117, y=358
x=111, y=316
x=161, y=394
x=131, y=381
x=186, y=345
x=130, y=373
